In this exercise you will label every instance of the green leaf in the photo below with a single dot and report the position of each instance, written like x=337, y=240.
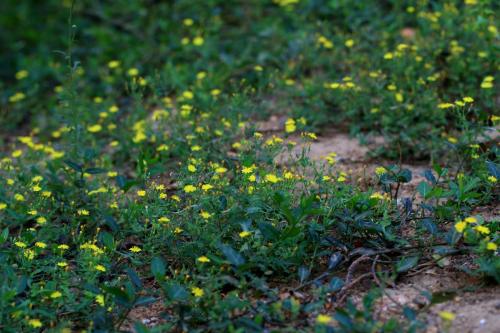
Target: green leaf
x=232, y=256
x=424, y=189
x=176, y=292
x=406, y=264
x=4, y=235
x=335, y=284
x=95, y=171
x=158, y=268
x=73, y=165
x=304, y=273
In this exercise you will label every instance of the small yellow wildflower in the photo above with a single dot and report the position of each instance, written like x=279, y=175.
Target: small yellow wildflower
x=35, y=323
x=17, y=153
x=41, y=245
x=189, y=188
x=470, y=219
x=56, y=294
x=135, y=249
x=203, y=259
x=491, y=246
x=100, y=268
x=445, y=315
x=197, y=292
x=244, y=234
x=94, y=128
x=113, y=64
x=271, y=178
x=460, y=226
x=482, y=229
x=141, y=193
x=198, y=41
x=99, y=299
x=323, y=319
x=163, y=219
x=206, y=187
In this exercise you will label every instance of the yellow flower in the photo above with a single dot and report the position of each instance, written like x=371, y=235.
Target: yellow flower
x=22, y=74
x=244, y=234
x=94, y=128
x=198, y=41
x=62, y=264
x=113, y=64
x=482, y=229
x=3, y=205
x=349, y=43
x=188, y=22
x=205, y=215
x=41, y=220
x=135, y=249
x=377, y=195
x=141, y=193
x=99, y=299
x=19, y=197
x=290, y=126
x=445, y=105
x=492, y=179
x=163, y=219
x=460, y=226
x=189, y=188
x=112, y=173
x=63, y=247
x=83, y=212
x=21, y=245
x=17, y=153
x=191, y=168
x=188, y=94
x=470, y=219
x=380, y=171
x=41, y=245
x=445, y=315
x=247, y=170
x=206, y=187
x=19, y=96
x=468, y=99
x=220, y=170
x=203, y=259
x=35, y=323
x=56, y=294
x=323, y=319
x=197, y=292
x=271, y=178
x=491, y=246
x=133, y=72
x=100, y=268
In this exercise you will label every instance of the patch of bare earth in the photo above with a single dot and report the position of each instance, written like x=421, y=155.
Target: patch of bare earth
x=477, y=308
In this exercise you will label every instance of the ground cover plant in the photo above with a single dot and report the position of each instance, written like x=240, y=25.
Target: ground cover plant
x=159, y=156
